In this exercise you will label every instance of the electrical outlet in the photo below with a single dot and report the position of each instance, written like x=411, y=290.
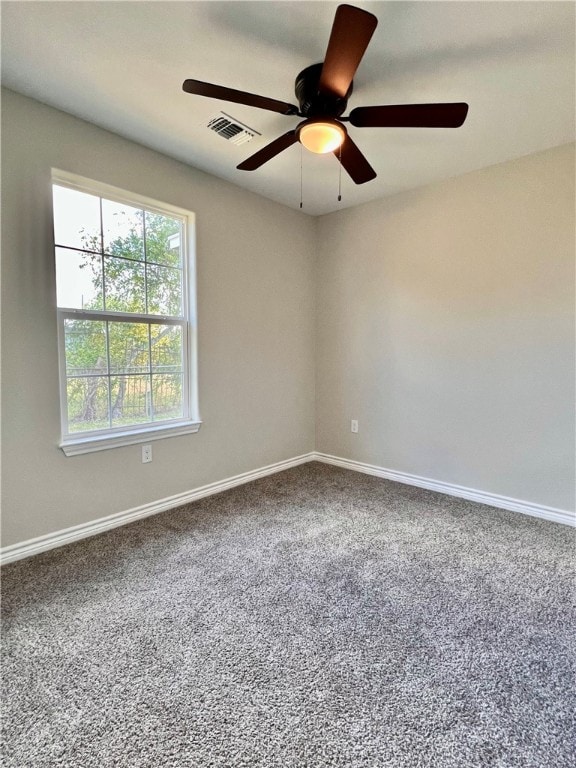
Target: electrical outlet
x=146, y=454
x=354, y=426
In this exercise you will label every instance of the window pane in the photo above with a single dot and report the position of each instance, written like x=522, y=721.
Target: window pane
x=167, y=396
x=78, y=280
x=123, y=230
x=76, y=219
x=117, y=261
x=163, y=239
x=124, y=284
x=87, y=403
x=131, y=403
x=164, y=291
x=85, y=342
x=129, y=347
x=166, y=349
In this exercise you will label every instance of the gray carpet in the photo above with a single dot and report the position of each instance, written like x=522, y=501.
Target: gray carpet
x=314, y=618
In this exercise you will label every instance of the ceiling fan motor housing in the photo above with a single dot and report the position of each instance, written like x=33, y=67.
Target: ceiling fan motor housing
x=312, y=102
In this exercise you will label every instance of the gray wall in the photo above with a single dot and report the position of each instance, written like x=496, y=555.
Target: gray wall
x=444, y=323
x=446, y=327
x=255, y=263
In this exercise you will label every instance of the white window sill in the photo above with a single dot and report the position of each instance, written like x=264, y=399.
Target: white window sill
x=73, y=446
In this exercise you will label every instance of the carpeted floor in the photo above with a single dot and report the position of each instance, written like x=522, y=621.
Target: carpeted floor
x=314, y=618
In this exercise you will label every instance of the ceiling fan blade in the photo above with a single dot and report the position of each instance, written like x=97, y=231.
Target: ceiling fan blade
x=239, y=97
x=410, y=116
x=349, y=38
x=268, y=152
x=354, y=162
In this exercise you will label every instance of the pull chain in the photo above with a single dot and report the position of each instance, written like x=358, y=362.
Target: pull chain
x=340, y=174
x=300, y=176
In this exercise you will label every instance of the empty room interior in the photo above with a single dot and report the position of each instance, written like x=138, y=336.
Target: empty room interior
x=288, y=384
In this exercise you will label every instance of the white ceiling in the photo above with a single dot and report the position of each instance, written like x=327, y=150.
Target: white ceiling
x=121, y=66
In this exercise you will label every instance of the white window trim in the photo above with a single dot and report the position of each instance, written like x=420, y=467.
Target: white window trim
x=73, y=445
x=103, y=442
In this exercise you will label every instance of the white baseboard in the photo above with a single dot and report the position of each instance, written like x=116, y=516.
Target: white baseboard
x=58, y=539
x=492, y=499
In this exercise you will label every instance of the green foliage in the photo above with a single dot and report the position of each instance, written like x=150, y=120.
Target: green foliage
x=127, y=372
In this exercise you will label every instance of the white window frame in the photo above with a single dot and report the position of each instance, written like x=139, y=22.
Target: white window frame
x=86, y=442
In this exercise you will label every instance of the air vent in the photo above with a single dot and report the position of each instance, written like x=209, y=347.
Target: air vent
x=231, y=129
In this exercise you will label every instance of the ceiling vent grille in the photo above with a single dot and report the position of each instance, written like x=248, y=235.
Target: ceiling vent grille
x=231, y=129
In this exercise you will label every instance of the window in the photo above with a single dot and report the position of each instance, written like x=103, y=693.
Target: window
x=126, y=326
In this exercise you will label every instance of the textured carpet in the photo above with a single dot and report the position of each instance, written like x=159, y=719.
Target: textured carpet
x=314, y=618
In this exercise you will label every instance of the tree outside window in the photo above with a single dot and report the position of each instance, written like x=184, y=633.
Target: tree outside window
x=121, y=290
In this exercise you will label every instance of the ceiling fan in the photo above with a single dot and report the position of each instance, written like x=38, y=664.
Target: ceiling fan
x=323, y=90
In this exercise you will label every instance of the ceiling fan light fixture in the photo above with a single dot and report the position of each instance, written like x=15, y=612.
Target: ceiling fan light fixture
x=322, y=91
x=321, y=136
